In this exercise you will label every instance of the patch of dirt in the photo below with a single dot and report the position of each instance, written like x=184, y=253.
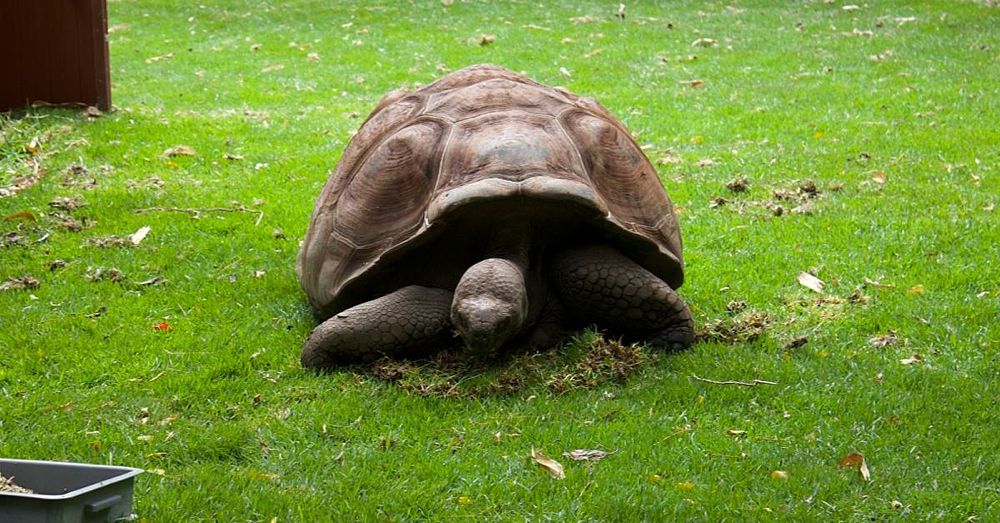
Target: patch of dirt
x=745, y=327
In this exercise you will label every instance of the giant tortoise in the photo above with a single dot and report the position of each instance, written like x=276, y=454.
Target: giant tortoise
x=489, y=207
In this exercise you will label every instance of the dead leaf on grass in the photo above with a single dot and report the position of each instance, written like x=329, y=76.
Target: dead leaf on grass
x=779, y=475
x=888, y=339
x=912, y=360
x=549, y=465
x=695, y=83
x=736, y=433
x=880, y=177
x=26, y=216
x=179, y=150
x=92, y=112
x=739, y=184
x=796, y=342
x=586, y=455
x=19, y=283
x=916, y=289
x=139, y=235
x=810, y=282
x=154, y=59
x=705, y=42
x=68, y=204
x=856, y=460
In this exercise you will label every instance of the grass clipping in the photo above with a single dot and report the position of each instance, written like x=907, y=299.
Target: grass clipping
x=585, y=363
x=8, y=485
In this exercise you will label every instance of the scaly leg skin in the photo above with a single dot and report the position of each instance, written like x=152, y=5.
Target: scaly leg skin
x=601, y=285
x=408, y=322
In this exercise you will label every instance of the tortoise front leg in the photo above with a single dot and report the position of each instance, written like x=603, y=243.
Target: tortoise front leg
x=598, y=284
x=409, y=322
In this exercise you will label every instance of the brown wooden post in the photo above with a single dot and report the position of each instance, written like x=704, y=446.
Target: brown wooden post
x=54, y=51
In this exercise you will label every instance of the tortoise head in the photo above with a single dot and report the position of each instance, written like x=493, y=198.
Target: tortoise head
x=490, y=304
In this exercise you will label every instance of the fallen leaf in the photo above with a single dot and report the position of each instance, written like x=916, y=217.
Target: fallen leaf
x=19, y=283
x=621, y=11
x=272, y=68
x=916, y=289
x=464, y=500
x=912, y=360
x=486, y=39
x=553, y=467
x=162, y=326
x=146, y=437
x=139, y=235
x=26, y=216
x=878, y=284
x=179, y=150
x=92, y=112
x=695, y=84
x=796, y=342
x=888, y=339
x=154, y=59
x=232, y=157
x=34, y=146
x=313, y=57
x=586, y=455
x=686, y=485
x=779, y=475
x=740, y=184
x=811, y=282
x=705, y=42
x=564, y=71
x=158, y=472
x=736, y=433
x=880, y=177
x=850, y=7
x=856, y=460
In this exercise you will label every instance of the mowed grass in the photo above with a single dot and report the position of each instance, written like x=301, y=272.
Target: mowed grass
x=873, y=128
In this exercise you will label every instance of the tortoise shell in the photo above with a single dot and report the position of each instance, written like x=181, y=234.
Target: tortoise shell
x=479, y=135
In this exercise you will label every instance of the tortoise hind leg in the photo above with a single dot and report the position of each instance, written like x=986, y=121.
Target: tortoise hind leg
x=408, y=322
x=598, y=284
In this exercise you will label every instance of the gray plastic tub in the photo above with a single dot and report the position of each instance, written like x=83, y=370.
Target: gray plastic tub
x=66, y=492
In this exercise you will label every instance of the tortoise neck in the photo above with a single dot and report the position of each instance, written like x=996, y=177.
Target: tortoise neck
x=511, y=241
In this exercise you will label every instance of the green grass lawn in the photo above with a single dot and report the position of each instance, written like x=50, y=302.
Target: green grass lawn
x=857, y=143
